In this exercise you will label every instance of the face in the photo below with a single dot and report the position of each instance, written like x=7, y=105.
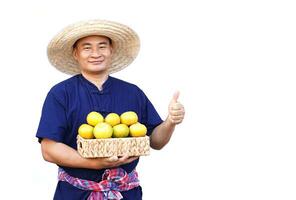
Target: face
x=93, y=53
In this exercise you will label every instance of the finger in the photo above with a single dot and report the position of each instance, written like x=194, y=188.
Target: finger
x=176, y=96
x=177, y=118
x=176, y=106
x=176, y=121
x=123, y=158
x=126, y=159
x=177, y=112
x=113, y=159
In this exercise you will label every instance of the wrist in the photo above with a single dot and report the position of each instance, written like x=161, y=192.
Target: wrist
x=169, y=123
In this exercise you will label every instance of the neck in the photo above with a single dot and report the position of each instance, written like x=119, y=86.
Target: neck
x=97, y=79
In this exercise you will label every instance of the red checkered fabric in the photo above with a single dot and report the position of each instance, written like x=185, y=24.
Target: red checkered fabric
x=113, y=181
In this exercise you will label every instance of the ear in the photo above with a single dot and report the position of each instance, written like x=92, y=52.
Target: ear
x=111, y=49
x=74, y=53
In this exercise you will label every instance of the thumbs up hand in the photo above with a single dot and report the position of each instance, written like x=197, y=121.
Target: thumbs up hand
x=176, y=110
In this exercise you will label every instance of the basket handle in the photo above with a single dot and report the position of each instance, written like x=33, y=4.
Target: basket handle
x=79, y=143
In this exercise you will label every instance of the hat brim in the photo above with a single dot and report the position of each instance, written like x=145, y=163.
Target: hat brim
x=125, y=42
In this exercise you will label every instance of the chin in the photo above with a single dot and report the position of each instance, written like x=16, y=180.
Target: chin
x=97, y=68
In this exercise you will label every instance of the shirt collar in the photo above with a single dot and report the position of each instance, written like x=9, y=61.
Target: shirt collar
x=93, y=88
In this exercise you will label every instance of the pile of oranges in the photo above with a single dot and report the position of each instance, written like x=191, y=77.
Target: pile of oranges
x=112, y=125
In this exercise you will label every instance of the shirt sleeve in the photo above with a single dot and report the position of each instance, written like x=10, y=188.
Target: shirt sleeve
x=151, y=118
x=53, y=123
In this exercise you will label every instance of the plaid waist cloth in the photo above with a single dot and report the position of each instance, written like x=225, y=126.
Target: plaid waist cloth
x=113, y=181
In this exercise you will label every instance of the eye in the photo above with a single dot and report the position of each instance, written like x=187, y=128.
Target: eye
x=86, y=48
x=102, y=47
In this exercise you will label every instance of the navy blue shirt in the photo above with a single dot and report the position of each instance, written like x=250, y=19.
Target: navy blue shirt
x=65, y=109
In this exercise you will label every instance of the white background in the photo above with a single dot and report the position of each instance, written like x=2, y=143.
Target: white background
x=233, y=62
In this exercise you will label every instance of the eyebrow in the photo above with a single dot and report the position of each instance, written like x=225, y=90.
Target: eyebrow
x=87, y=43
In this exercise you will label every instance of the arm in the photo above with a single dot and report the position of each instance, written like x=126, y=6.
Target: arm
x=162, y=133
x=64, y=155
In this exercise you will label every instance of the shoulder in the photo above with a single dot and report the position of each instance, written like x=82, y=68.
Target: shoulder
x=121, y=84
x=65, y=85
x=128, y=89
x=61, y=90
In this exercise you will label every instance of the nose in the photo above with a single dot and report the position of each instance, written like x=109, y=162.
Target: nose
x=95, y=54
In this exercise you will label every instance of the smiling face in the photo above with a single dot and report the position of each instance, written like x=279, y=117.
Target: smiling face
x=93, y=54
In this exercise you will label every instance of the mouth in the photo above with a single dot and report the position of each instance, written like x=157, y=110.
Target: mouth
x=96, y=62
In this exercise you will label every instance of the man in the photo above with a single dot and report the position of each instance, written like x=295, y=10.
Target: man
x=91, y=51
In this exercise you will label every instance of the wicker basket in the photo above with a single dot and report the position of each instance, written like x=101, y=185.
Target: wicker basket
x=131, y=146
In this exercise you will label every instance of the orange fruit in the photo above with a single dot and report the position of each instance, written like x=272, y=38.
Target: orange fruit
x=93, y=118
x=138, y=130
x=112, y=119
x=103, y=130
x=120, y=130
x=129, y=118
x=86, y=131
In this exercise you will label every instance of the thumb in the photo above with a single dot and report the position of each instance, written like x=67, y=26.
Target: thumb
x=176, y=96
x=113, y=159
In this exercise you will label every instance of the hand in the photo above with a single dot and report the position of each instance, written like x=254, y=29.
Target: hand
x=176, y=110
x=114, y=161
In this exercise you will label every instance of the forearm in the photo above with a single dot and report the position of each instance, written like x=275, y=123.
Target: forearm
x=64, y=155
x=161, y=134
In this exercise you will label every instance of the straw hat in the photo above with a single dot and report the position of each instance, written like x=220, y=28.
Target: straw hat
x=125, y=42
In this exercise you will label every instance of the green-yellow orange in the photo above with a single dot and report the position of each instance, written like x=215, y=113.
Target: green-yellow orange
x=138, y=130
x=112, y=119
x=120, y=130
x=93, y=118
x=129, y=118
x=103, y=130
x=86, y=131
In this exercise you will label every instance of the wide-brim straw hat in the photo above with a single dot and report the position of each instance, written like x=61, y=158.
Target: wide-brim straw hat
x=125, y=43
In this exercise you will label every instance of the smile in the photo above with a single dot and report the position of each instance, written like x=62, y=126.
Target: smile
x=97, y=62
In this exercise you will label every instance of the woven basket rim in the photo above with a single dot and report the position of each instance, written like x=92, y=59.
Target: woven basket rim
x=131, y=146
